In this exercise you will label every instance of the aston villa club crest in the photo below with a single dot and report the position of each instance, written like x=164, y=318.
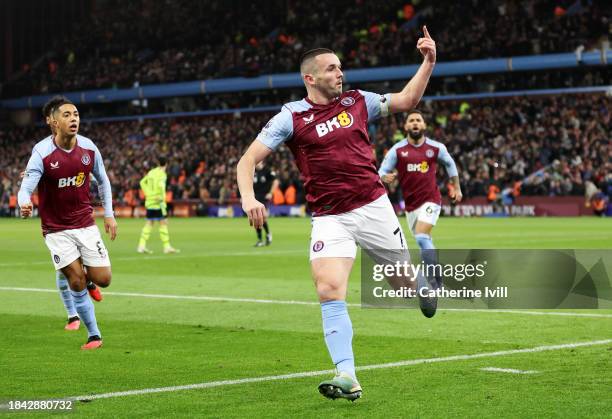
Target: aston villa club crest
x=318, y=246
x=347, y=101
x=429, y=153
x=85, y=159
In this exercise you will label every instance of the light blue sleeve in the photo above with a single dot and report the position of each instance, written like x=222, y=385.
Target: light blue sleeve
x=377, y=105
x=389, y=162
x=446, y=159
x=278, y=129
x=34, y=171
x=104, y=186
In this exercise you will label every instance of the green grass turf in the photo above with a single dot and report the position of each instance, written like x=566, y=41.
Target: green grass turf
x=155, y=342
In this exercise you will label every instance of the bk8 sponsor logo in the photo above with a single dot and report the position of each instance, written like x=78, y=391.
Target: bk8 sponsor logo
x=77, y=181
x=422, y=167
x=343, y=120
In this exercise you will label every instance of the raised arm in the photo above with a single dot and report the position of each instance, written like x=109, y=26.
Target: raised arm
x=412, y=93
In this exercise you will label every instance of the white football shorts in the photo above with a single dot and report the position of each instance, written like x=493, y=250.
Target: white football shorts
x=427, y=213
x=69, y=245
x=372, y=226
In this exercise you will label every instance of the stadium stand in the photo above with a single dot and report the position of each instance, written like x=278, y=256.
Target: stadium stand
x=112, y=49
x=549, y=145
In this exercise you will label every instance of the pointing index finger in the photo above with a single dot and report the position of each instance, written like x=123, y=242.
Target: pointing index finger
x=426, y=32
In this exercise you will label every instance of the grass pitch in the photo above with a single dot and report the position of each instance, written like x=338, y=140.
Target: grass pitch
x=219, y=312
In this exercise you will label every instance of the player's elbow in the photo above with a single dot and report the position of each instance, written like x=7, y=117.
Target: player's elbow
x=246, y=164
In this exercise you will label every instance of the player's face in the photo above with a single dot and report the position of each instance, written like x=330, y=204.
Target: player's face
x=415, y=126
x=329, y=76
x=66, y=120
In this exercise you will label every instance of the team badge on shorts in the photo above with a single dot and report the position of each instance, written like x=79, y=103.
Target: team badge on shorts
x=56, y=258
x=429, y=153
x=85, y=159
x=318, y=246
x=429, y=210
x=347, y=101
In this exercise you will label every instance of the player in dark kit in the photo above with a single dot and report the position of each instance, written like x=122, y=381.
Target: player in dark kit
x=416, y=158
x=264, y=182
x=60, y=166
x=328, y=136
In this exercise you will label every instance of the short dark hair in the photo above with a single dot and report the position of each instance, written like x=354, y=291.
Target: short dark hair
x=162, y=160
x=311, y=53
x=54, y=104
x=410, y=112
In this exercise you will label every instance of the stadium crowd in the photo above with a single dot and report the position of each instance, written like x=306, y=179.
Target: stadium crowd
x=553, y=145
x=549, y=145
x=114, y=49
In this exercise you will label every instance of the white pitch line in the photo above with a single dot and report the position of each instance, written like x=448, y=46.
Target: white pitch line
x=170, y=257
x=304, y=303
x=532, y=313
x=508, y=370
x=180, y=297
x=409, y=362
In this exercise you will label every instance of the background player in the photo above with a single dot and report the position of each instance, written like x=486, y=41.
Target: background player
x=327, y=134
x=60, y=166
x=416, y=158
x=264, y=182
x=154, y=187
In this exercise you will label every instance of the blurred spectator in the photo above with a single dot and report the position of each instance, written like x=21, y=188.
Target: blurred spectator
x=152, y=42
x=553, y=145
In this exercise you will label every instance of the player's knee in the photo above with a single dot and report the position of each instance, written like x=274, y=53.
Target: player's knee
x=329, y=291
x=76, y=280
x=105, y=279
x=101, y=278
